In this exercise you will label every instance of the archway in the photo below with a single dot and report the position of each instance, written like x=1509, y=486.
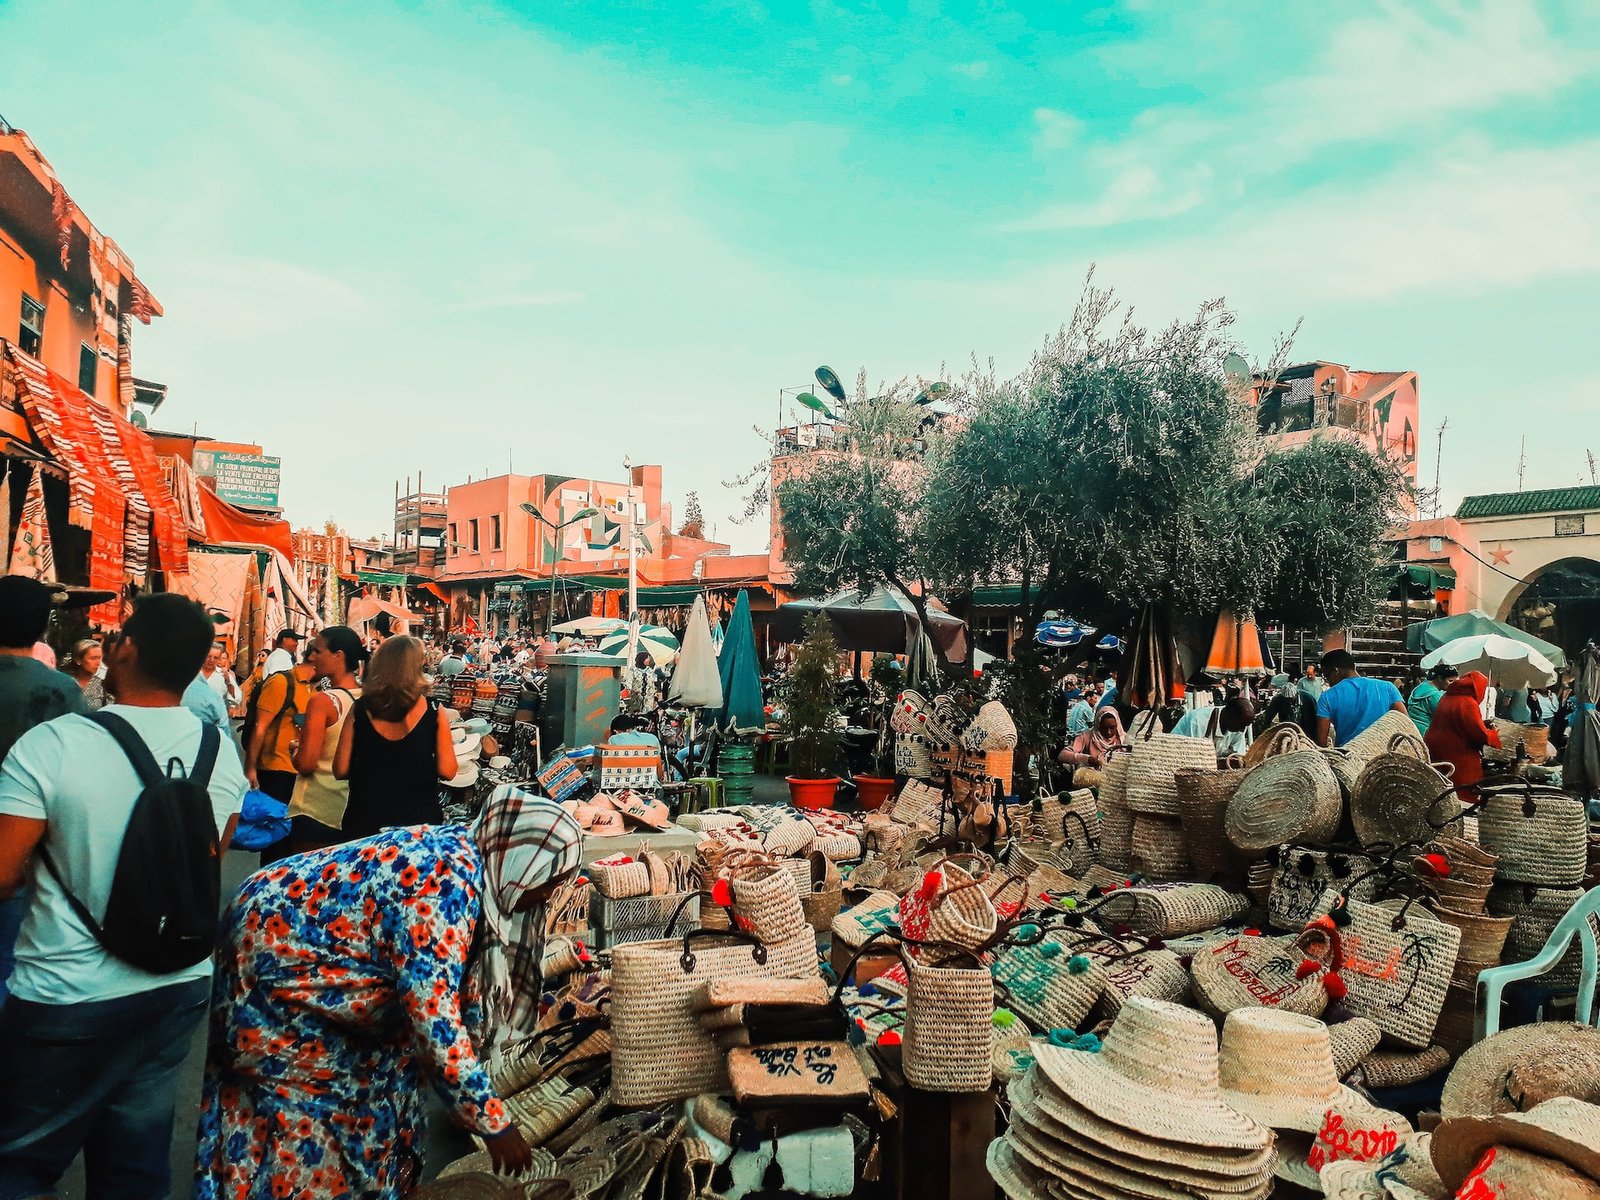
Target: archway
x=1559, y=602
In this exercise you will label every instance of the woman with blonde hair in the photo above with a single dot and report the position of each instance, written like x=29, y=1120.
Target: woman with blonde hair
x=395, y=748
x=87, y=656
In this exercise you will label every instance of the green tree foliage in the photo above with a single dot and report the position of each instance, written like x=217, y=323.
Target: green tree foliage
x=810, y=700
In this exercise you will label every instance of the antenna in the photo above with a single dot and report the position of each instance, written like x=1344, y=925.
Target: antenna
x=1522, y=461
x=1592, y=480
x=1438, y=459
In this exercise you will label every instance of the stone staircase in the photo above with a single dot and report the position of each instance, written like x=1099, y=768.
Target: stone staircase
x=1380, y=649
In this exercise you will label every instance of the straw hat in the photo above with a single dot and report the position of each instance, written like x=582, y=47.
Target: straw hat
x=466, y=745
x=466, y=774
x=1351, y=1041
x=1516, y=1069
x=1277, y=1068
x=1156, y=1074
x=1406, y=1174
x=1018, y=1178
x=1505, y=1171
x=1563, y=1129
x=1052, y=1116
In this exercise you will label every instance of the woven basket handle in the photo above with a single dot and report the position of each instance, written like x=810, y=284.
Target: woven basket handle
x=758, y=948
x=1404, y=743
x=884, y=936
x=1094, y=842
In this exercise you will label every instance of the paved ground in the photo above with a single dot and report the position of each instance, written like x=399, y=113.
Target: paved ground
x=445, y=1143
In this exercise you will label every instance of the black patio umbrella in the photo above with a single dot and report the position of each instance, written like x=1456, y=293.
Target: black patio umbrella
x=883, y=619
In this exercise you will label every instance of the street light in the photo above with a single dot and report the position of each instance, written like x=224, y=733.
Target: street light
x=583, y=514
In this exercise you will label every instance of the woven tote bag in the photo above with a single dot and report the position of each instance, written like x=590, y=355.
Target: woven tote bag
x=1203, y=797
x=1289, y=798
x=620, y=880
x=917, y=803
x=768, y=904
x=661, y=1053
x=1073, y=822
x=1173, y=910
x=1284, y=738
x=1116, y=818
x=1157, y=974
x=1159, y=850
x=1244, y=971
x=1397, y=968
x=857, y=924
x=1398, y=799
x=949, y=1031
x=1156, y=761
x=1392, y=733
x=1540, y=834
x=1050, y=986
x=991, y=729
x=1535, y=913
x=1303, y=874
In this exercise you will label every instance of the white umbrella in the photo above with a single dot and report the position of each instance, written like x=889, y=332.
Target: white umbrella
x=695, y=683
x=658, y=643
x=1508, y=664
x=590, y=626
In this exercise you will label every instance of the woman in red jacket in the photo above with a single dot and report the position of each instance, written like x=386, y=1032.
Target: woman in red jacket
x=1458, y=733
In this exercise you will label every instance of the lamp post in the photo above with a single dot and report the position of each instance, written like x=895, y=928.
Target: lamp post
x=583, y=514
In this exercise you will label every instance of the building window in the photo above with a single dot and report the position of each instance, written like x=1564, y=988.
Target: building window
x=455, y=540
x=494, y=532
x=88, y=367
x=31, y=334
x=472, y=534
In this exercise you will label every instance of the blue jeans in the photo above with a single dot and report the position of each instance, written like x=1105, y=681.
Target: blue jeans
x=98, y=1077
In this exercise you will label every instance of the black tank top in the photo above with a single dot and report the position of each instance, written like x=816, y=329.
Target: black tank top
x=392, y=782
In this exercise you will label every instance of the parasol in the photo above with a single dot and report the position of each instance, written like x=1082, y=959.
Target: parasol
x=1508, y=664
x=742, y=710
x=1430, y=635
x=1062, y=634
x=882, y=619
x=1237, y=648
x=658, y=643
x=1149, y=672
x=591, y=626
x=695, y=683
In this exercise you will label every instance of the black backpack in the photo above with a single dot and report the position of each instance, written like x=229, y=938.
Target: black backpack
x=163, y=912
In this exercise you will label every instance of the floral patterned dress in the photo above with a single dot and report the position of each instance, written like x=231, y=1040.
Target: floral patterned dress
x=337, y=990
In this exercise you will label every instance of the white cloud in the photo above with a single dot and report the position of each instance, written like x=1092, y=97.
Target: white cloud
x=1055, y=128
x=840, y=80
x=972, y=70
x=1136, y=194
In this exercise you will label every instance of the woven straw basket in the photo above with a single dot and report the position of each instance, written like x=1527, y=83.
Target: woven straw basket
x=1174, y=910
x=1392, y=733
x=1116, y=818
x=962, y=914
x=768, y=906
x=1254, y=972
x=620, y=880
x=1159, y=849
x=1289, y=798
x=1536, y=911
x=1156, y=760
x=1203, y=797
x=1397, y=799
x=1284, y=738
x=1303, y=875
x=1156, y=974
x=1482, y=937
x=1073, y=821
x=1549, y=848
x=949, y=1030
x=1039, y=982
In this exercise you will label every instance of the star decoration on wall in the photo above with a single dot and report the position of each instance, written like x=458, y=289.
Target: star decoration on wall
x=1501, y=556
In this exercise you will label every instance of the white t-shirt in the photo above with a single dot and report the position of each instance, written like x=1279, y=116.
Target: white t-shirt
x=71, y=773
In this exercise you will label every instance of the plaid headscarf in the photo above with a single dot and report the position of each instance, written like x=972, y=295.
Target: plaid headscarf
x=527, y=842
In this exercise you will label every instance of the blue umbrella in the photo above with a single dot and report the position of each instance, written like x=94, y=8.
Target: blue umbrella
x=1062, y=634
x=742, y=710
x=1111, y=642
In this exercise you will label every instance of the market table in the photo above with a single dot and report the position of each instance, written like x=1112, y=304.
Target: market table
x=665, y=841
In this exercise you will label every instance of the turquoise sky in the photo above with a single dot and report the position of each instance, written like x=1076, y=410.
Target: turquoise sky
x=392, y=237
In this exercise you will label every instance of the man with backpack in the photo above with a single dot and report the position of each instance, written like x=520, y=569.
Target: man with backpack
x=118, y=821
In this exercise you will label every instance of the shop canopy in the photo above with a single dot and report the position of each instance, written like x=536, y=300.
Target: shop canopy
x=1426, y=636
x=883, y=619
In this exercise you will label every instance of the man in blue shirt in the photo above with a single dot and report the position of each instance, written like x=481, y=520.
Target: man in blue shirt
x=1352, y=703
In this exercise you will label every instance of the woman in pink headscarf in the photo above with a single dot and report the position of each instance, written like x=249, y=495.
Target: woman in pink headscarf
x=1090, y=748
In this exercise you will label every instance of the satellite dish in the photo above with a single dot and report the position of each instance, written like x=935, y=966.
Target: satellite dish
x=830, y=383
x=138, y=420
x=1236, y=368
x=814, y=402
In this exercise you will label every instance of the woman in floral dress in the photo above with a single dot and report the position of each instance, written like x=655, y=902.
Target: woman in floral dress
x=351, y=976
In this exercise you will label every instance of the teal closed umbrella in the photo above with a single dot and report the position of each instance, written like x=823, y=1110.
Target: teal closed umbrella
x=742, y=708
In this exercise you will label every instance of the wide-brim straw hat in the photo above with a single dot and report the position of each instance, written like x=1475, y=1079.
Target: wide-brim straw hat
x=1081, y=1175
x=1157, y=1074
x=1036, y=1101
x=1277, y=1068
x=466, y=774
x=1514, y=1173
x=1063, y=1129
x=1520, y=1067
x=1351, y=1041
x=1564, y=1129
x=1017, y=1177
x=1406, y=1174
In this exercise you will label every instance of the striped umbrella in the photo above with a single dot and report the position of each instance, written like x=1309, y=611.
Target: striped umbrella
x=660, y=644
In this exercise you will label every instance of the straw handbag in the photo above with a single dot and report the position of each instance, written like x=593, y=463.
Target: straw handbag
x=661, y=1053
x=949, y=1030
x=567, y=913
x=1398, y=799
x=766, y=903
x=1283, y=738
x=955, y=909
x=1157, y=974
x=1173, y=910
x=1047, y=983
x=856, y=925
x=1159, y=849
x=824, y=892
x=1254, y=972
x=1392, y=733
x=1073, y=822
x=1290, y=797
x=1203, y=797
x=1397, y=968
x=1540, y=834
x=913, y=757
x=1156, y=760
x=789, y=838
x=1116, y=818
x=991, y=729
x=1303, y=875
x=620, y=880
x=918, y=803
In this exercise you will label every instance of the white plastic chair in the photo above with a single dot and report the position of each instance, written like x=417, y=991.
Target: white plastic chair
x=1575, y=924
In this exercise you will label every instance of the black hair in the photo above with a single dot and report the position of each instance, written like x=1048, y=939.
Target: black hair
x=173, y=635
x=622, y=723
x=341, y=639
x=1338, y=660
x=24, y=611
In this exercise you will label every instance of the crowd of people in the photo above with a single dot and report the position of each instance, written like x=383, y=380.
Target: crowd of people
x=376, y=950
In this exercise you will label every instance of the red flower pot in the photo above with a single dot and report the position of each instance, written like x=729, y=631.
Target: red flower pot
x=873, y=790
x=812, y=793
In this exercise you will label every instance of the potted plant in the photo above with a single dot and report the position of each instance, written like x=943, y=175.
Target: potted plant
x=810, y=717
x=885, y=682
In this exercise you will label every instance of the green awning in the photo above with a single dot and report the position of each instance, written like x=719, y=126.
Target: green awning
x=1419, y=581
x=999, y=595
x=667, y=596
x=575, y=583
x=382, y=578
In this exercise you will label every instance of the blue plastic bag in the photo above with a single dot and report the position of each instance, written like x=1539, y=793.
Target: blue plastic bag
x=263, y=822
